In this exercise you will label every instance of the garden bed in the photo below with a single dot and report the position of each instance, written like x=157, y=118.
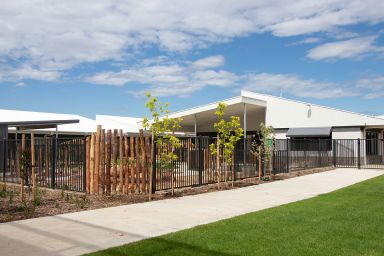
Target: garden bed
x=53, y=202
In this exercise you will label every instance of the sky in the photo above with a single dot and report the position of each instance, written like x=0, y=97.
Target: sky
x=101, y=57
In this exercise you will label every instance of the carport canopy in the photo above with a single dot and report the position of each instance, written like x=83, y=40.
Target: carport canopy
x=31, y=125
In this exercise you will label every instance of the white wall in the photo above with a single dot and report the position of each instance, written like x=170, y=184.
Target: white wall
x=127, y=124
x=285, y=113
x=281, y=134
x=337, y=133
x=347, y=133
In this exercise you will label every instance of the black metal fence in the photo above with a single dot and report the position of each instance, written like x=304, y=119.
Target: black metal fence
x=61, y=163
x=299, y=154
x=196, y=166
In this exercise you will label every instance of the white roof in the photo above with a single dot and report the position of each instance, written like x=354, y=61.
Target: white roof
x=281, y=112
x=85, y=125
x=127, y=124
x=213, y=106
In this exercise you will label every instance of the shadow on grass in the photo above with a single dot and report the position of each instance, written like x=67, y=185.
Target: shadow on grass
x=161, y=246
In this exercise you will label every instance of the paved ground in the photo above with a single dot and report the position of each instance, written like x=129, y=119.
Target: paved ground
x=77, y=233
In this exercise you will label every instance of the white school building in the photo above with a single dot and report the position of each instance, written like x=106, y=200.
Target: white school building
x=289, y=118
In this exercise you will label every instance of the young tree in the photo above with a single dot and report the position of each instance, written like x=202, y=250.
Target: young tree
x=228, y=134
x=162, y=129
x=262, y=145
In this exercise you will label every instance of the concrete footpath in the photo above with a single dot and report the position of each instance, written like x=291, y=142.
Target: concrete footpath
x=87, y=231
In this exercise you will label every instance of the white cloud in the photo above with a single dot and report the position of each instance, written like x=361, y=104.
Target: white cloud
x=56, y=36
x=27, y=72
x=20, y=84
x=294, y=85
x=374, y=86
x=184, y=78
x=352, y=48
x=308, y=40
x=168, y=78
x=210, y=62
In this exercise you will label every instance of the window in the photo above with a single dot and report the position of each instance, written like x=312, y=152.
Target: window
x=311, y=144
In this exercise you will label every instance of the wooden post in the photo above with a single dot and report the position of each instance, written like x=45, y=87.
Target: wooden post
x=97, y=160
x=142, y=150
x=87, y=162
x=132, y=165
x=92, y=165
x=108, y=163
x=147, y=162
x=102, y=162
x=33, y=163
x=137, y=167
x=126, y=164
x=121, y=164
x=114, y=180
x=153, y=162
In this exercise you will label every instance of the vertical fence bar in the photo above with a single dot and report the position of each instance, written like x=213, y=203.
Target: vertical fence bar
x=319, y=153
x=54, y=158
x=358, y=154
x=84, y=159
x=287, y=141
x=201, y=167
x=3, y=157
x=334, y=152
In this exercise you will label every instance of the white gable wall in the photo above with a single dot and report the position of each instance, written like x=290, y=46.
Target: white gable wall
x=127, y=124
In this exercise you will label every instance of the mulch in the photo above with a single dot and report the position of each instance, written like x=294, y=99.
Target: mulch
x=53, y=202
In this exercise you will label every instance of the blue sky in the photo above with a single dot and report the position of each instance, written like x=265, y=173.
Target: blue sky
x=100, y=57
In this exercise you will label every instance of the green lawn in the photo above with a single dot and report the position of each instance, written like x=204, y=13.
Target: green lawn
x=349, y=221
